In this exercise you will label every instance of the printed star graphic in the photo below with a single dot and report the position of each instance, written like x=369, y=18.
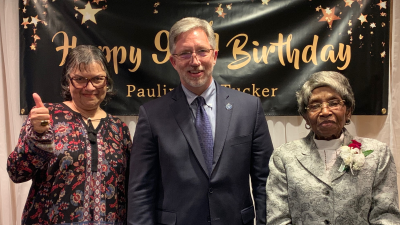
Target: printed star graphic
x=382, y=4
x=383, y=54
x=36, y=37
x=329, y=16
x=229, y=7
x=350, y=23
x=363, y=18
x=25, y=22
x=318, y=8
x=35, y=20
x=349, y=32
x=348, y=2
x=24, y=10
x=372, y=25
x=220, y=11
x=383, y=44
x=88, y=13
x=361, y=37
x=156, y=4
x=155, y=11
x=33, y=46
x=383, y=14
x=265, y=2
x=383, y=24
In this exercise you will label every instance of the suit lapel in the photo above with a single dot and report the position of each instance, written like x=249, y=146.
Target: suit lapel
x=311, y=160
x=183, y=116
x=334, y=173
x=223, y=119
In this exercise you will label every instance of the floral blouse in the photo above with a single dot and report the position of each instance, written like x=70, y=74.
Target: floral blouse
x=65, y=188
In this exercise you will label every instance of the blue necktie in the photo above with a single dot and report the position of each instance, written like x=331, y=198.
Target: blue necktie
x=204, y=133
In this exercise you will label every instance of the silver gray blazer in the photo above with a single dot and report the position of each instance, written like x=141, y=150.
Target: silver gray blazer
x=299, y=192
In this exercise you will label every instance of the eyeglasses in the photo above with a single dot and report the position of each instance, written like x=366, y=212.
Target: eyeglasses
x=202, y=53
x=334, y=104
x=82, y=82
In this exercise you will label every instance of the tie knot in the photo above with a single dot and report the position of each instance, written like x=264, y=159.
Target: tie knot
x=200, y=101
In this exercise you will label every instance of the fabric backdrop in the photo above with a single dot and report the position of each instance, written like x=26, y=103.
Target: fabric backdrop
x=282, y=128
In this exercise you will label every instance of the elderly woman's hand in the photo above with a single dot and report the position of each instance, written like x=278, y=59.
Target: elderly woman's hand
x=39, y=116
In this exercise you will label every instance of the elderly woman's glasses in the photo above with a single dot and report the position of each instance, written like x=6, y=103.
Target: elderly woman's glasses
x=332, y=105
x=82, y=82
x=202, y=53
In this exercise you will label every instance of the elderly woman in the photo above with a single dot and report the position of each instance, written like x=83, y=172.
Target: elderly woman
x=74, y=152
x=331, y=177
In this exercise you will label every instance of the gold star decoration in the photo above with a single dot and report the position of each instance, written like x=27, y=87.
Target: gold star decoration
x=318, y=8
x=383, y=24
x=349, y=32
x=25, y=22
x=363, y=18
x=265, y=2
x=35, y=20
x=26, y=2
x=361, y=37
x=329, y=16
x=229, y=7
x=88, y=13
x=348, y=2
x=383, y=54
x=382, y=4
x=383, y=44
x=155, y=11
x=36, y=37
x=350, y=23
x=33, y=46
x=24, y=10
x=383, y=14
x=220, y=11
x=372, y=25
x=156, y=4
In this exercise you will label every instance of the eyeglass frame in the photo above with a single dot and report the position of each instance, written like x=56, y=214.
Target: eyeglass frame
x=71, y=79
x=191, y=54
x=341, y=103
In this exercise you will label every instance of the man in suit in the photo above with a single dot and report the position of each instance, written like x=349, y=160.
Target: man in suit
x=194, y=148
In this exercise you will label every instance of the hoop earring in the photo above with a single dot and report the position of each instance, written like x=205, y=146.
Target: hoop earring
x=348, y=121
x=305, y=125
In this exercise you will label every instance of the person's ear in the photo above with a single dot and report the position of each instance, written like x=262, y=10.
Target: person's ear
x=173, y=61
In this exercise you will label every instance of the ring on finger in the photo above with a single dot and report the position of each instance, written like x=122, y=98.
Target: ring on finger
x=44, y=123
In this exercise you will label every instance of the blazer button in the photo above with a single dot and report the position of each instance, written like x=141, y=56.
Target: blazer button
x=326, y=192
x=327, y=222
x=210, y=190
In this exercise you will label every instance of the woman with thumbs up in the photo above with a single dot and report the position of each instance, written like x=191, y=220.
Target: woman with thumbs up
x=74, y=152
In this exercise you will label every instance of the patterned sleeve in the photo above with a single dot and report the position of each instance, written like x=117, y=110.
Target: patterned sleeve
x=385, y=204
x=32, y=153
x=277, y=192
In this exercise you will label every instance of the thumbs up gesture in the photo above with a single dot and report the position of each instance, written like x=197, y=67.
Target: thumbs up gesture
x=40, y=117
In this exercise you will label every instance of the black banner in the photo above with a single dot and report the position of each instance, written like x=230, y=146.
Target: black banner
x=267, y=48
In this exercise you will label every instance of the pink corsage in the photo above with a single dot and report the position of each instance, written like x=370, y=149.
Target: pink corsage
x=353, y=156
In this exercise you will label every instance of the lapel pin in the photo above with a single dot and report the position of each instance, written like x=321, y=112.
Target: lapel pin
x=228, y=106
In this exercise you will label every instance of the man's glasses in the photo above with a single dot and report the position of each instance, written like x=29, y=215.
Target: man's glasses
x=82, y=82
x=202, y=53
x=334, y=104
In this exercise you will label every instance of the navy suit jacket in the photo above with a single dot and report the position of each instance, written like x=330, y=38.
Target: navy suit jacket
x=169, y=182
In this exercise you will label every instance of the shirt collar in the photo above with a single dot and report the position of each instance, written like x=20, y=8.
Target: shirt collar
x=207, y=94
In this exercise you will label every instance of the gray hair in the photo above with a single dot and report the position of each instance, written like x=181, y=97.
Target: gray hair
x=187, y=24
x=331, y=79
x=80, y=58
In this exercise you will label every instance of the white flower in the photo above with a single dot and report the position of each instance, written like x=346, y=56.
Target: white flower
x=359, y=160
